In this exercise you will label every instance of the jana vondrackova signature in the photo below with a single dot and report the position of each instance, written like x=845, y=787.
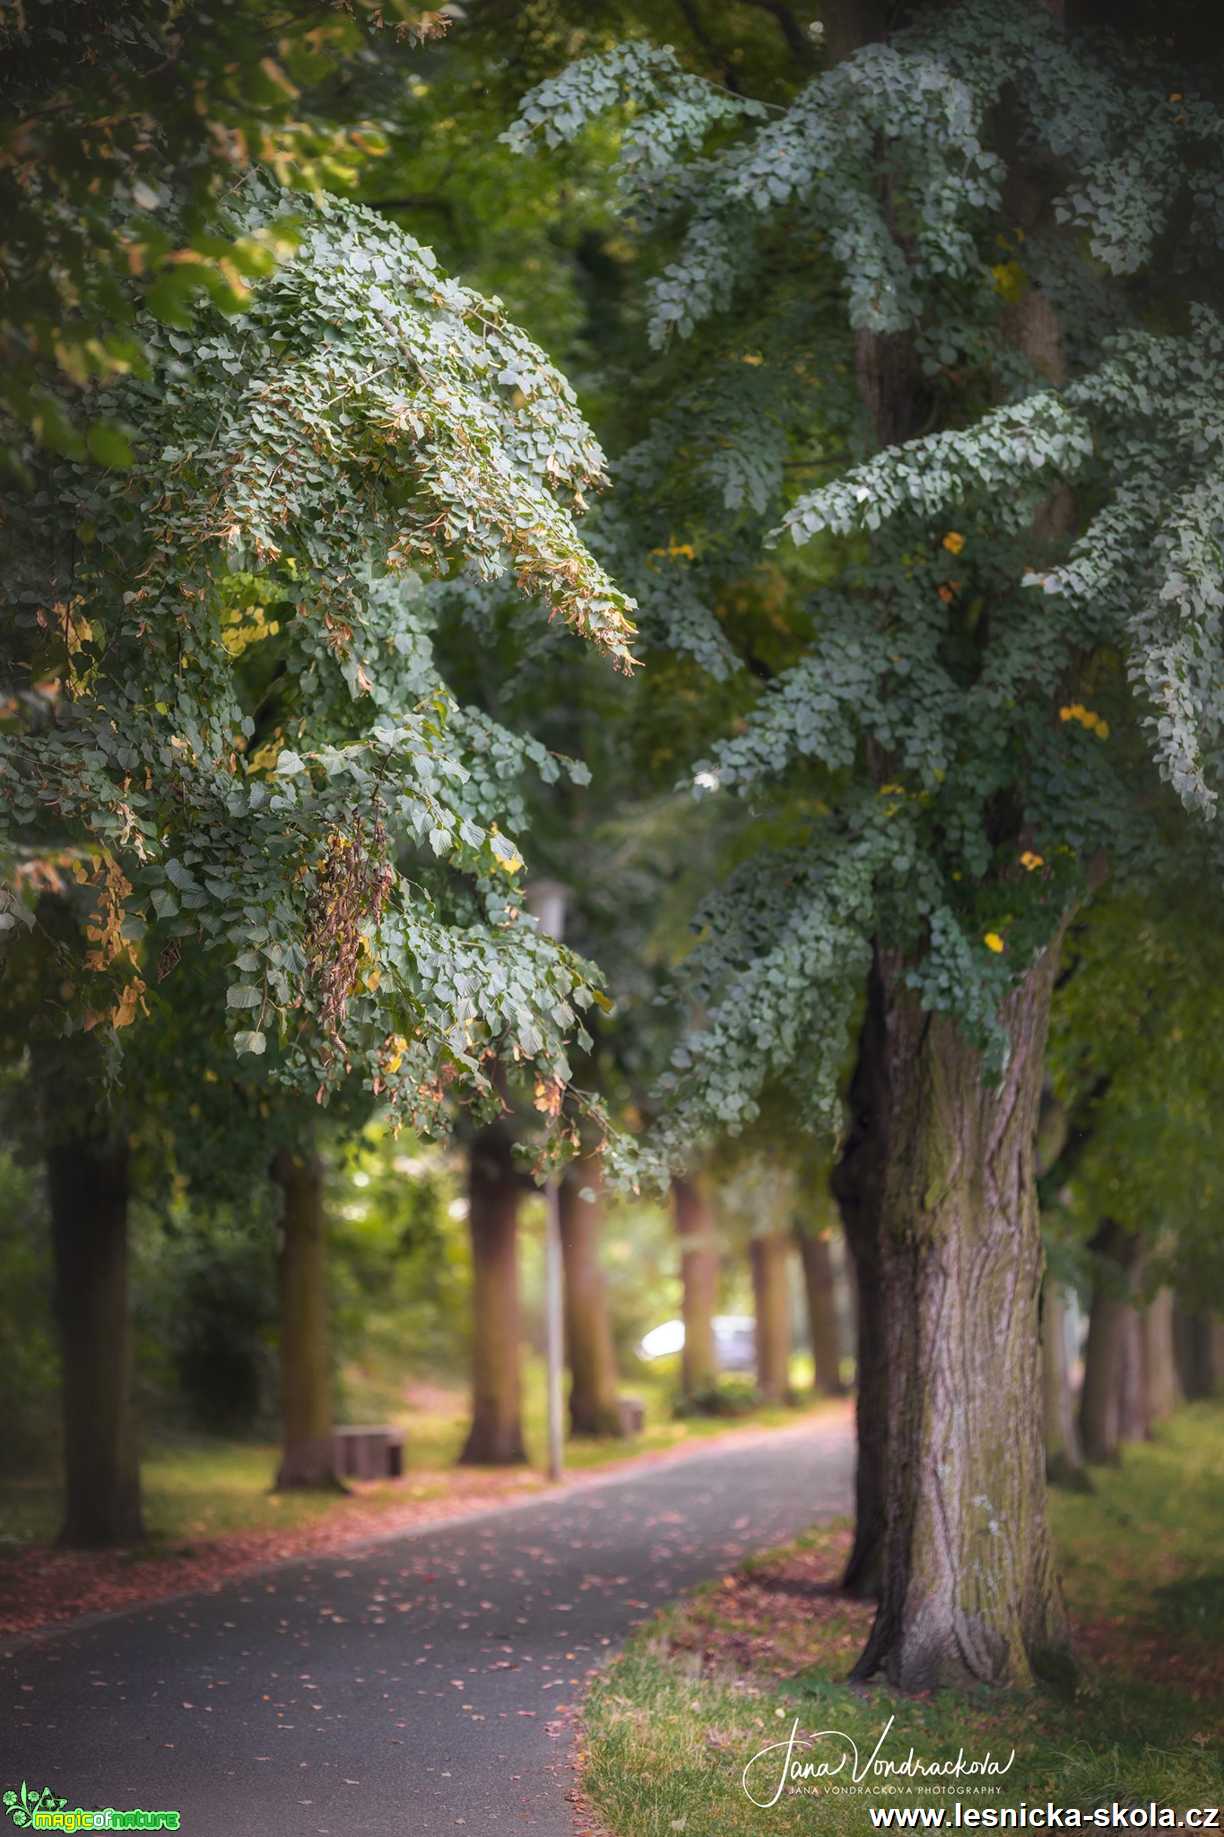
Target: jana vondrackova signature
x=778, y=1765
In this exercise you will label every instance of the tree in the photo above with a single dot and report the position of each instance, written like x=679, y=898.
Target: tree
x=1105, y=1352
x=133, y=124
x=308, y=1444
x=54, y=1113
x=594, y=1401
x=819, y=1283
x=87, y=1180
x=1062, y=1135
x=756, y=1201
x=494, y=1187
x=697, y=1236
x=971, y=749
x=227, y=742
x=1128, y=1190
x=813, y=1234
x=769, y=1252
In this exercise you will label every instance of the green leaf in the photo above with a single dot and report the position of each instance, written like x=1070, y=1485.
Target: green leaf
x=109, y=445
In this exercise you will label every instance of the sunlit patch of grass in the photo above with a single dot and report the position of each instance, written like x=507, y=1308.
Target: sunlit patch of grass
x=723, y=1674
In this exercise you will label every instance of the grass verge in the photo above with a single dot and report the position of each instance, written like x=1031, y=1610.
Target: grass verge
x=725, y=1673
x=198, y=1489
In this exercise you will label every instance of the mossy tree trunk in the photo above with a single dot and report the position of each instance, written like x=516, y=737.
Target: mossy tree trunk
x=307, y=1440
x=496, y=1435
x=816, y=1258
x=698, y=1240
x=1116, y=1250
x=970, y=1594
x=770, y=1256
x=858, y=1183
x=1064, y=1460
x=594, y=1404
x=87, y=1184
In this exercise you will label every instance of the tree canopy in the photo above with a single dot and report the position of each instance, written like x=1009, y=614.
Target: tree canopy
x=1022, y=628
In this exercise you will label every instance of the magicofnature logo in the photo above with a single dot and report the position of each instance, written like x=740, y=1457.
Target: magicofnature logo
x=40, y=1809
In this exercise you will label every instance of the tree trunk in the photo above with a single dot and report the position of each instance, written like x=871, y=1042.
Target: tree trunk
x=970, y=1594
x=1159, y=1358
x=1104, y=1349
x=307, y=1446
x=770, y=1254
x=87, y=1184
x=594, y=1391
x=1064, y=1461
x=888, y=380
x=816, y=1256
x=1213, y=1338
x=699, y=1278
x=496, y=1435
x=1134, y=1424
x=1195, y=1337
x=857, y=1181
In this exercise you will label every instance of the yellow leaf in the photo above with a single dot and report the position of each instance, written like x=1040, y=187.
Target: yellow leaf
x=1095, y=723
x=548, y=1095
x=954, y=542
x=993, y=941
x=1010, y=281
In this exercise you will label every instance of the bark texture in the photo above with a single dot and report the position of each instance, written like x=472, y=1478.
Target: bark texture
x=1105, y=1348
x=307, y=1440
x=87, y=1183
x=858, y=1186
x=1064, y=1460
x=594, y=1404
x=816, y=1258
x=699, y=1279
x=496, y=1435
x=970, y=1594
x=770, y=1255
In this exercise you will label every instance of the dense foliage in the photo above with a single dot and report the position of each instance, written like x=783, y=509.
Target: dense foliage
x=225, y=718
x=130, y=124
x=962, y=733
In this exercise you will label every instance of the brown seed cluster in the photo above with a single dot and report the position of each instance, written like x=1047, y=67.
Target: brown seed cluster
x=353, y=879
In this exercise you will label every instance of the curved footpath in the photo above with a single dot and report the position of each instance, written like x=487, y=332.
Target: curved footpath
x=414, y=1687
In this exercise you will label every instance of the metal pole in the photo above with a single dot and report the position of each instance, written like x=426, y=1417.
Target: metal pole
x=546, y=902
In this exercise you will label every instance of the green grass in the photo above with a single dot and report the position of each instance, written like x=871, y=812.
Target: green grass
x=434, y=1437
x=193, y=1491
x=196, y=1489
x=1143, y=1560
x=1164, y=1508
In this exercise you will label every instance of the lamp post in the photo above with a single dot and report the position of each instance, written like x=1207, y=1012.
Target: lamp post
x=546, y=902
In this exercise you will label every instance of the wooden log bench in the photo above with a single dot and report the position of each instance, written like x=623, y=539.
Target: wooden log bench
x=369, y=1453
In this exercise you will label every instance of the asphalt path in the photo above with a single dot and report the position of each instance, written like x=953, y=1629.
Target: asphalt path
x=418, y=1686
